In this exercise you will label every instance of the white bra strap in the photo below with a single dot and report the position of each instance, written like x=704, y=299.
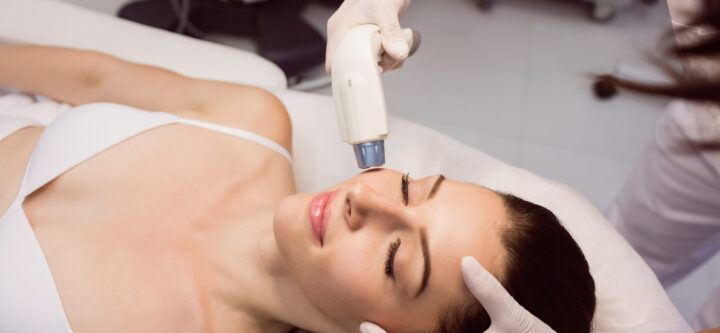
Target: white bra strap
x=240, y=133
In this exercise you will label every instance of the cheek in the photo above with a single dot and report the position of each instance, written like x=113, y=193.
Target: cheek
x=353, y=275
x=347, y=286
x=336, y=280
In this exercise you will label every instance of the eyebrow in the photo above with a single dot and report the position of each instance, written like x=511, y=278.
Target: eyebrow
x=424, y=241
x=426, y=257
x=435, y=187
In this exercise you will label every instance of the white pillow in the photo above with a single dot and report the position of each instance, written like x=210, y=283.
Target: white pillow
x=629, y=296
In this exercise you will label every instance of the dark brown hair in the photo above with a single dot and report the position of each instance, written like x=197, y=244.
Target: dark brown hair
x=545, y=271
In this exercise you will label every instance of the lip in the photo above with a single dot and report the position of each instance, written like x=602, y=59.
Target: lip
x=319, y=212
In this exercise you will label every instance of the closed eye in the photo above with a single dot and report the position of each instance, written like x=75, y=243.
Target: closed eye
x=390, y=259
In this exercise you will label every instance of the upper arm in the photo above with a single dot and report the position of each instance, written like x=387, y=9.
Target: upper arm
x=152, y=88
x=156, y=89
x=80, y=77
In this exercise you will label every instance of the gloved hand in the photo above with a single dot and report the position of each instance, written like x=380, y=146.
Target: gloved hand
x=385, y=14
x=506, y=315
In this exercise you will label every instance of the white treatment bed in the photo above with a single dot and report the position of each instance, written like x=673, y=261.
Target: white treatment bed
x=630, y=298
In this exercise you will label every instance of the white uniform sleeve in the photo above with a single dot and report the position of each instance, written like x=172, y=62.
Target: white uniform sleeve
x=669, y=208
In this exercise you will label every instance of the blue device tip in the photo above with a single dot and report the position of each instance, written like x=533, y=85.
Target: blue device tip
x=370, y=154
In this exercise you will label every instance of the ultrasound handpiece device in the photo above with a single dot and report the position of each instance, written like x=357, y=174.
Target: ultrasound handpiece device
x=358, y=94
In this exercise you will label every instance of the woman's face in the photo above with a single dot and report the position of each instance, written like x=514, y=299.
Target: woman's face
x=360, y=252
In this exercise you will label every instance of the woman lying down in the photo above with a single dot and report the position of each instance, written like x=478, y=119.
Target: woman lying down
x=185, y=219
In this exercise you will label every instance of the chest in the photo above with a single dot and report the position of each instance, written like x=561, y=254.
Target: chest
x=121, y=231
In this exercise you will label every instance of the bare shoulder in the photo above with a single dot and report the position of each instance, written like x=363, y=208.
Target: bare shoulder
x=153, y=88
x=249, y=108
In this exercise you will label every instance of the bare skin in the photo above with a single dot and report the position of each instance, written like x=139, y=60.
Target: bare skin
x=183, y=229
x=106, y=239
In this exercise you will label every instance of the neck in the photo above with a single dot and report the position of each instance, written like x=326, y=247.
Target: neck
x=248, y=286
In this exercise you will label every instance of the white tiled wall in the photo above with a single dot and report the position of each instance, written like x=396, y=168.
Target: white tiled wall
x=514, y=83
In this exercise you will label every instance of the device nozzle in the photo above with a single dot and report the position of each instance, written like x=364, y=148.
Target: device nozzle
x=370, y=154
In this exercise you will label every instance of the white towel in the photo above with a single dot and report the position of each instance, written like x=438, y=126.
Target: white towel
x=19, y=110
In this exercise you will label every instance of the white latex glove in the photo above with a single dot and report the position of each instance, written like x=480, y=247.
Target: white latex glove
x=506, y=315
x=368, y=327
x=385, y=14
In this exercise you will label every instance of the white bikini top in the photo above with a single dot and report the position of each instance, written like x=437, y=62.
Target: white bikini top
x=29, y=300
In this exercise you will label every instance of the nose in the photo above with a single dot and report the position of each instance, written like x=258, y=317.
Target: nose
x=366, y=208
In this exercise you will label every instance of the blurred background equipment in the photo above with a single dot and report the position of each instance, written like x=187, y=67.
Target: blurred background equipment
x=279, y=32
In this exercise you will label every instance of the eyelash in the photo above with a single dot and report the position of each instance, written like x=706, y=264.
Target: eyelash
x=404, y=188
x=390, y=260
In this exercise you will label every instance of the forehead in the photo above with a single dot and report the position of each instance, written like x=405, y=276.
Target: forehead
x=466, y=221
x=462, y=220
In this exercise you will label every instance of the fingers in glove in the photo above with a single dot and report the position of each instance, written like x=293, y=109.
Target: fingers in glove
x=488, y=291
x=485, y=287
x=413, y=39
x=393, y=41
x=368, y=327
x=388, y=63
x=506, y=314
